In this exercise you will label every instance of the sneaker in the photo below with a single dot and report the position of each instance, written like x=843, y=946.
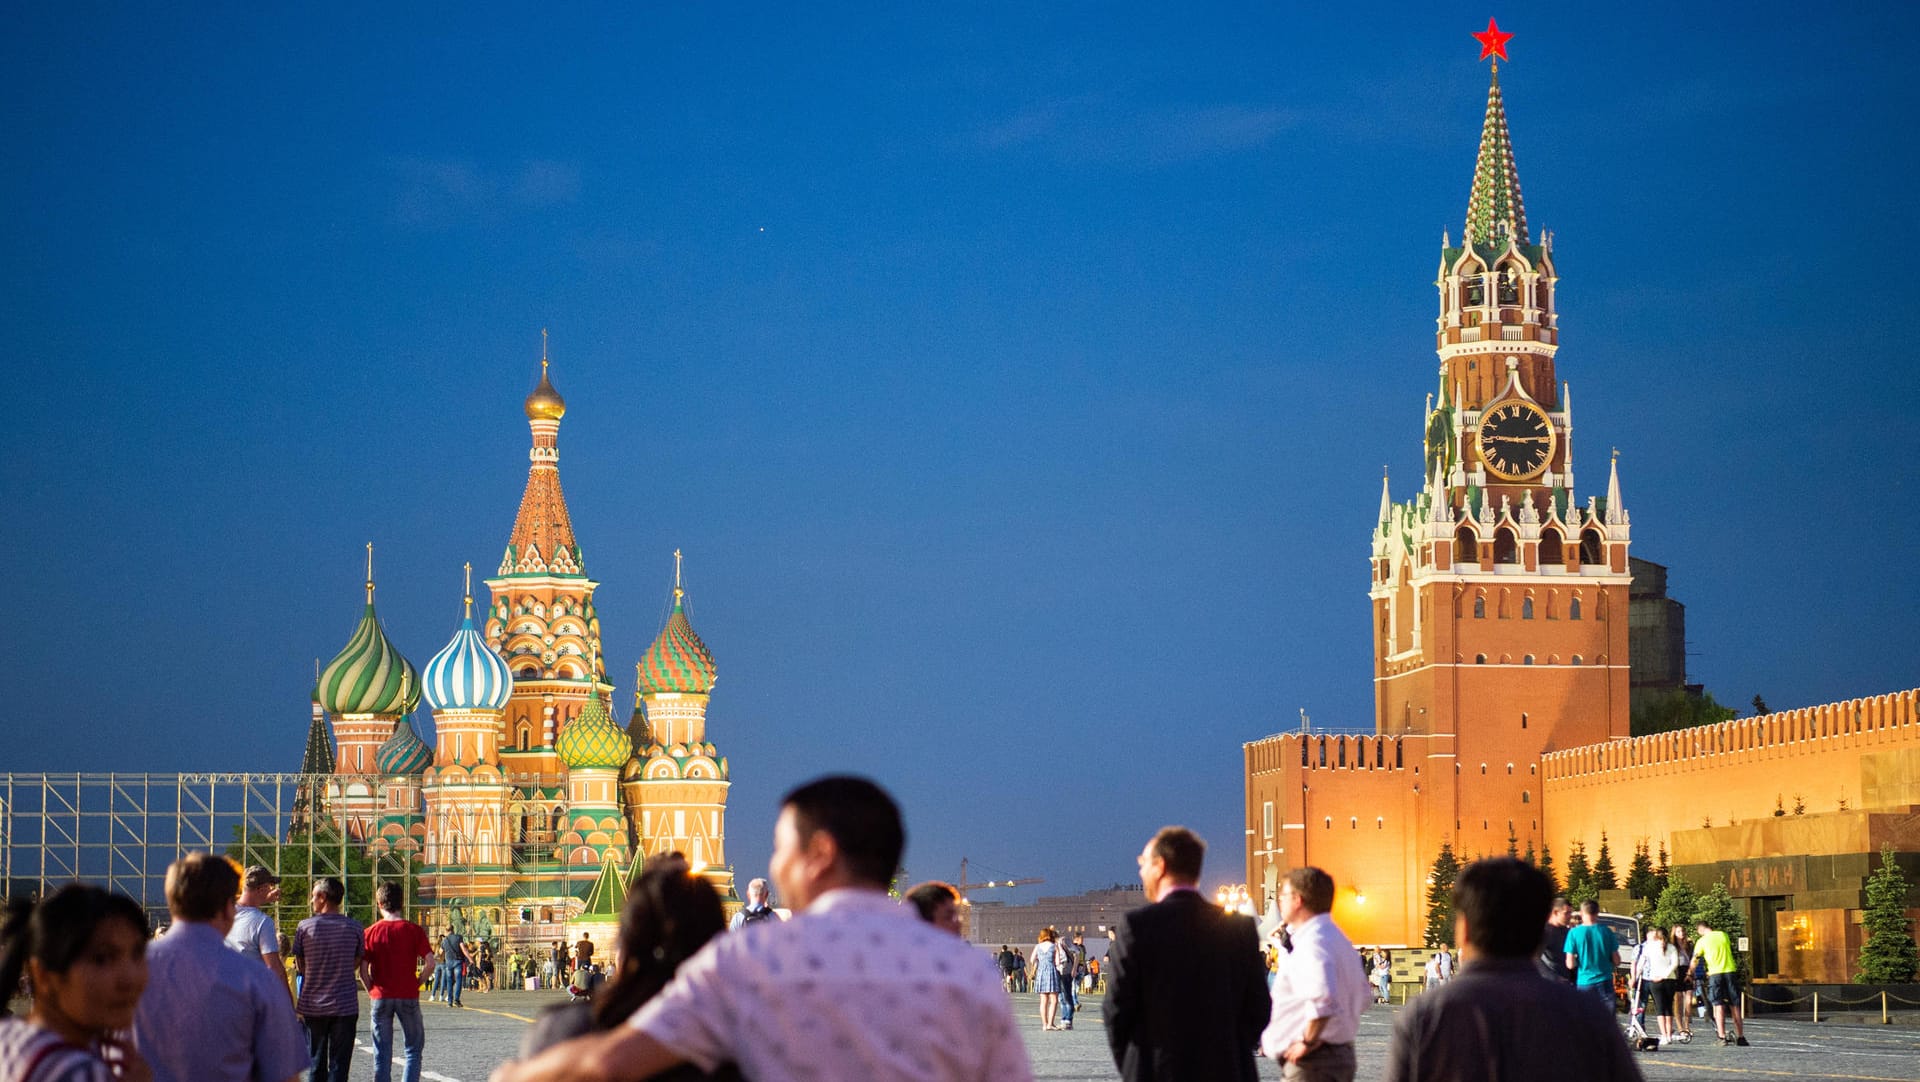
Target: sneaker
x=1742, y=1042
x=1725, y=1041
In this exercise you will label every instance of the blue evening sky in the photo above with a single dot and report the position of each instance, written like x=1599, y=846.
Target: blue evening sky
x=1017, y=378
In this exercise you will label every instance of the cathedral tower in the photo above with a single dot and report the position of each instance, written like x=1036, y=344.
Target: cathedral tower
x=676, y=792
x=541, y=618
x=467, y=686
x=367, y=687
x=593, y=749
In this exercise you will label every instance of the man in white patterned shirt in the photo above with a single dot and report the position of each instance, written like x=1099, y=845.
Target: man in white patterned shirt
x=855, y=986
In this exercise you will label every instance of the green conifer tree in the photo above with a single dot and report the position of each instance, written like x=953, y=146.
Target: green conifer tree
x=1640, y=878
x=1513, y=843
x=1440, y=897
x=1661, y=873
x=1580, y=886
x=1676, y=905
x=1889, y=955
x=1604, y=877
x=1530, y=857
x=1545, y=864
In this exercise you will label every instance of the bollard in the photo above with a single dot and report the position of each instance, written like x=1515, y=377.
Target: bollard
x=1883, y=1007
x=1816, y=1007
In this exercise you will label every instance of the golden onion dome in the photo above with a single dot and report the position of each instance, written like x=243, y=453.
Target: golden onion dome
x=545, y=403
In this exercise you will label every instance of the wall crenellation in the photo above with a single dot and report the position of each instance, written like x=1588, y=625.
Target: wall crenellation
x=1707, y=746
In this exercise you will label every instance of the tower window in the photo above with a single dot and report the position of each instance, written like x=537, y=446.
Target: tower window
x=1526, y=609
x=1523, y=719
x=1576, y=659
x=1506, y=547
x=1510, y=286
x=1479, y=659
x=1466, y=547
x=1479, y=606
x=1526, y=796
x=1528, y=660
x=1476, y=290
x=1550, y=550
x=1573, y=609
x=1592, y=551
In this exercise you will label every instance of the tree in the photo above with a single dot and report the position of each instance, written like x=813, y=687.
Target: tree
x=1513, y=843
x=1889, y=955
x=1640, y=879
x=1531, y=857
x=1604, y=877
x=1760, y=706
x=1676, y=905
x=1545, y=865
x=1667, y=711
x=1440, y=897
x=1662, y=873
x=1717, y=908
x=1579, y=875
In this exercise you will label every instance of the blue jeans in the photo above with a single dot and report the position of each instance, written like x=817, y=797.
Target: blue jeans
x=1069, y=999
x=456, y=980
x=330, y=1046
x=412, y=1032
x=1604, y=993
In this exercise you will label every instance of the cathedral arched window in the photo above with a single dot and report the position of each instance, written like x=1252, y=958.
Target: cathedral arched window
x=1592, y=550
x=1466, y=547
x=1526, y=608
x=526, y=737
x=1573, y=608
x=1550, y=551
x=1506, y=547
x=559, y=820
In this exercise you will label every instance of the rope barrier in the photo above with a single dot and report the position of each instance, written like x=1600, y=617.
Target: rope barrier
x=1885, y=999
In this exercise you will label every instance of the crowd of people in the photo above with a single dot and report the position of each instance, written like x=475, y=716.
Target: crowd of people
x=853, y=985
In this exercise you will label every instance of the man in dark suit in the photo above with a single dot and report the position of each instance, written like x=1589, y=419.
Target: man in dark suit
x=1187, y=988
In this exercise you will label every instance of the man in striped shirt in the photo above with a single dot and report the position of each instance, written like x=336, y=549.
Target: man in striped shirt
x=327, y=946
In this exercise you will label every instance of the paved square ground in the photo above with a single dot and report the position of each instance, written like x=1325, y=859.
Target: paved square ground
x=465, y=1045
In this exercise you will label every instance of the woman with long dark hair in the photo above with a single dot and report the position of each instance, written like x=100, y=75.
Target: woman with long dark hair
x=83, y=951
x=670, y=914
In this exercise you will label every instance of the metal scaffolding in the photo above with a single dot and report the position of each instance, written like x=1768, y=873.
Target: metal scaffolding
x=121, y=831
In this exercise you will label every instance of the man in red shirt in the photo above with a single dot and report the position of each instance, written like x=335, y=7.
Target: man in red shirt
x=392, y=967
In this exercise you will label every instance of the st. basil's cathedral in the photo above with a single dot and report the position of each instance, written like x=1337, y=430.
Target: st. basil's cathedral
x=533, y=808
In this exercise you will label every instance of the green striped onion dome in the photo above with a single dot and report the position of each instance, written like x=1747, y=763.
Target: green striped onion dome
x=369, y=676
x=404, y=752
x=677, y=660
x=592, y=741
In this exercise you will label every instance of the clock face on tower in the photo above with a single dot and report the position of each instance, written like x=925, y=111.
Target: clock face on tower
x=1516, y=440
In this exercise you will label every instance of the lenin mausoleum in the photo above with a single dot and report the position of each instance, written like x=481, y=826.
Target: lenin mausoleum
x=533, y=808
x=1500, y=614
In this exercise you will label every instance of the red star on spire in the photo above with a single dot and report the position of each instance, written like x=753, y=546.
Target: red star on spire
x=1493, y=42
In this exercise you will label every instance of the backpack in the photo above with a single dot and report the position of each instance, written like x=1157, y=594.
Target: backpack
x=751, y=916
x=1063, y=959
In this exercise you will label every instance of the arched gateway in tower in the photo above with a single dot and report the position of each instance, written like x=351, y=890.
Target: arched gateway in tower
x=1499, y=600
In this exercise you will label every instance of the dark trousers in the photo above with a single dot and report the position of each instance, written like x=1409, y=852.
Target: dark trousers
x=330, y=1045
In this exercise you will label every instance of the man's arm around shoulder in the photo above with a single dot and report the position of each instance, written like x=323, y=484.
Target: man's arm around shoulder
x=622, y=1054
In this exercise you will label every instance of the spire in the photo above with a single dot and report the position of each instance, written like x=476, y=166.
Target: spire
x=1616, y=510
x=1494, y=210
x=542, y=542
x=318, y=758
x=1386, y=497
x=467, y=590
x=369, y=572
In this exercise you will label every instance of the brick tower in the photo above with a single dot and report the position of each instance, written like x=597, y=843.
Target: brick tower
x=1499, y=602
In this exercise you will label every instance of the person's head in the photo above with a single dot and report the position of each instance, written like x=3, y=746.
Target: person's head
x=938, y=904
x=259, y=886
x=327, y=894
x=1047, y=935
x=1499, y=906
x=1079, y=937
x=1679, y=933
x=204, y=889
x=670, y=914
x=1305, y=893
x=85, y=950
x=1589, y=912
x=586, y=936
x=1172, y=858
x=835, y=832
x=1701, y=927
x=1655, y=935
x=757, y=893
x=389, y=897
x=1561, y=914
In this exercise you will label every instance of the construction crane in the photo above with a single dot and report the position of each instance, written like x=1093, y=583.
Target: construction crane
x=963, y=886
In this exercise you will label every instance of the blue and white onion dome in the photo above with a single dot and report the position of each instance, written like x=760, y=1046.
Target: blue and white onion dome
x=466, y=674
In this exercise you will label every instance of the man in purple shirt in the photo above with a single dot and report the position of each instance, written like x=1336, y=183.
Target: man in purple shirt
x=328, y=945
x=209, y=1013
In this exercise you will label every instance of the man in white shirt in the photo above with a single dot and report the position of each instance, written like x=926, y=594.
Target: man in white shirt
x=854, y=986
x=756, y=909
x=254, y=934
x=1319, y=990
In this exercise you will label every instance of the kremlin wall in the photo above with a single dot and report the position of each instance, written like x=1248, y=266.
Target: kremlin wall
x=1505, y=605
